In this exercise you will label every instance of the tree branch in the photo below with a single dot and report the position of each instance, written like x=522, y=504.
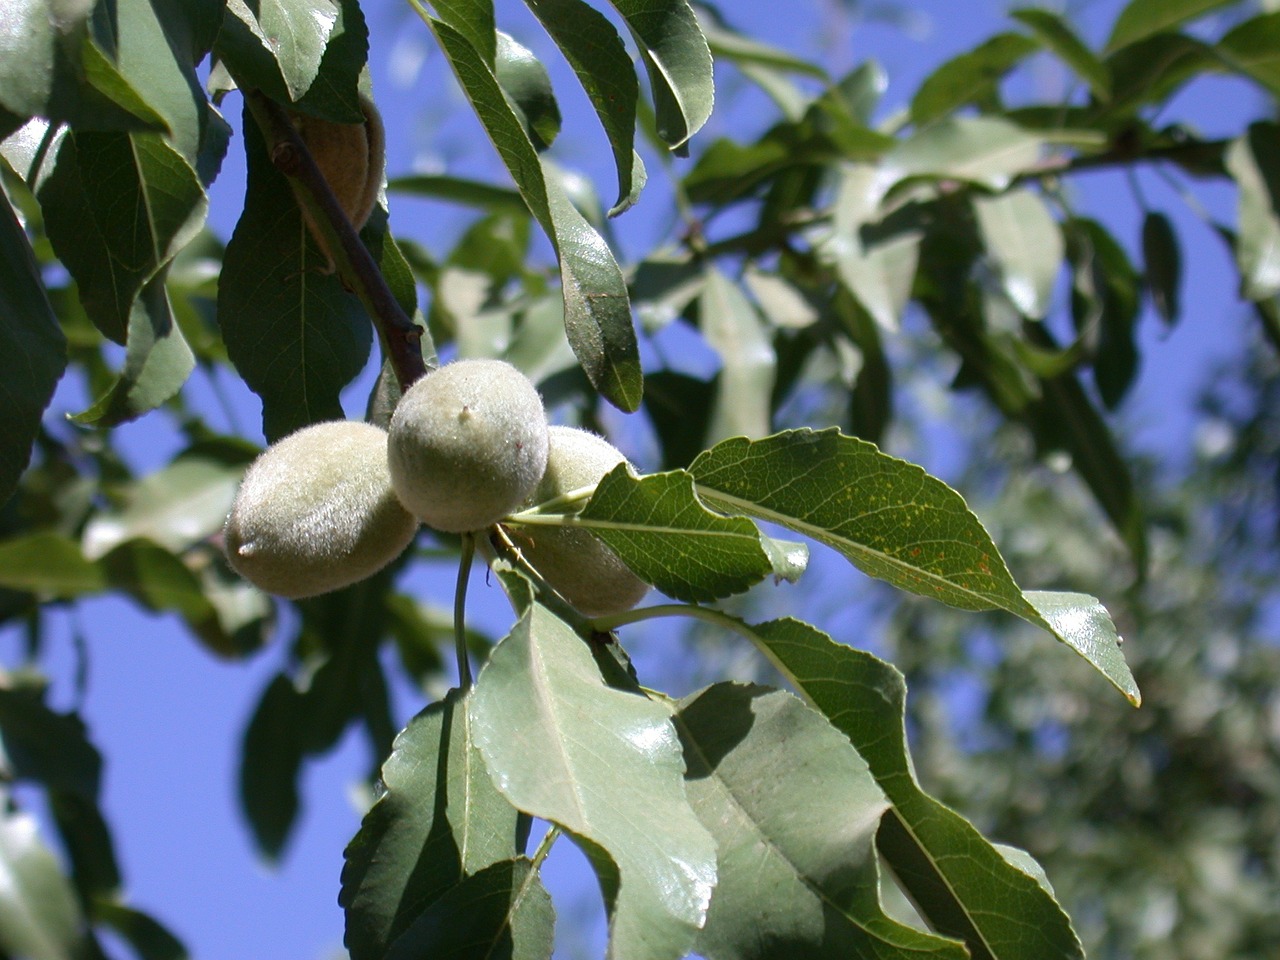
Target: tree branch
x=401, y=337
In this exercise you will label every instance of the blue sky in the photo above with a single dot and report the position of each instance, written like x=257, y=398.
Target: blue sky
x=169, y=718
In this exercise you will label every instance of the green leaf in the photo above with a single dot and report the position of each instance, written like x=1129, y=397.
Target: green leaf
x=503, y=912
x=438, y=821
x=597, y=312
x=48, y=747
x=33, y=349
x=48, y=564
x=1162, y=259
x=474, y=20
x=277, y=45
x=296, y=336
x=1025, y=243
x=605, y=765
x=794, y=812
x=1055, y=34
x=663, y=532
x=1105, y=303
x=1143, y=18
x=117, y=207
x=988, y=151
x=149, y=938
x=1253, y=48
x=600, y=60
x=1152, y=70
x=39, y=916
x=678, y=61
x=1251, y=161
x=972, y=77
x=157, y=362
x=891, y=520
x=732, y=327
x=961, y=884
x=269, y=762
x=475, y=193
x=528, y=88
x=29, y=47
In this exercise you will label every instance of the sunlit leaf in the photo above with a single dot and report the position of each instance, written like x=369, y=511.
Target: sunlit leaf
x=891, y=520
x=606, y=765
x=39, y=916
x=1251, y=161
x=665, y=534
x=959, y=882
x=988, y=151
x=528, y=86
x=794, y=811
x=48, y=564
x=1025, y=243
x=733, y=328
x=597, y=311
x=604, y=68
x=678, y=61
x=438, y=821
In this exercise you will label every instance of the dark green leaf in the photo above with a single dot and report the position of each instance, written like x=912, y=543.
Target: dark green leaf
x=1105, y=302
x=269, y=764
x=603, y=67
x=1151, y=70
x=157, y=361
x=39, y=916
x=33, y=349
x=277, y=45
x=473, y=19
x=474, y=193
x=664, y=533
x=335, y=93
x=678, y=61
x=149, y=938
x=1162, y=259
x=117, y=208
x=438, y=821
x=1142, y=18
x=46, y=746
x=87, y=840
x=794, y=812
x=606, y=765
x=48, y=564
x=959, y=882
x=891, y=520
x=528, y=87
x=679, y=407
x=597, y=312
x=1056, y=35
x=293, y=332
x=972, y=77
x=501, y=913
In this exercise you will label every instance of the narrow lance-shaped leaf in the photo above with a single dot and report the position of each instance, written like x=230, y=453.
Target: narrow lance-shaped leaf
x=1250, y=160
x=39, y=915
x=961, y=884
x=1162, y=260
x=528, y=87
x=1054, y=33
x=1253, y=48
x=606, y=765
x=732, y=327
x=972, y=77
x=33, y=350
x=1025, y=242
x=794, y=811
x=438, y=821
x=988, y=151
x=49, y=564
x=597, y=311
x=296, y=336
x=1143, y=18
x=895, y=522
x=603, y=67
x=277, y=45
x=678, y=61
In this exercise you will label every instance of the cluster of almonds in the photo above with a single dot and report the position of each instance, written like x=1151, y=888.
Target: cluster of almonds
x=467, y=446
